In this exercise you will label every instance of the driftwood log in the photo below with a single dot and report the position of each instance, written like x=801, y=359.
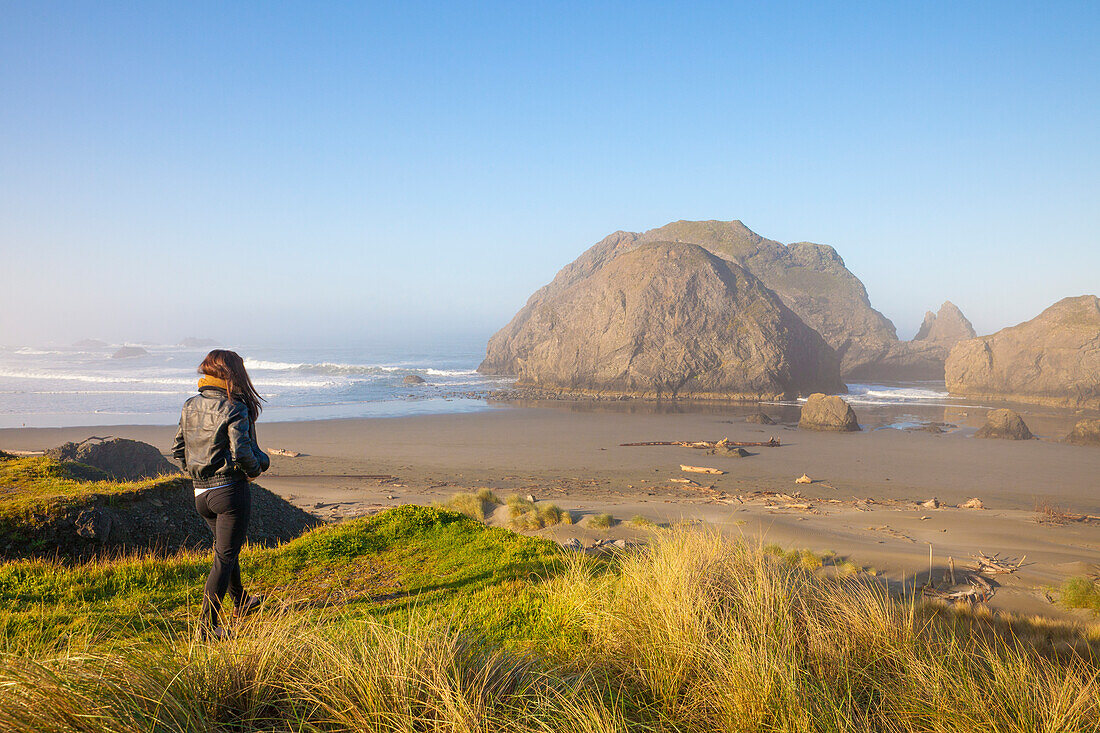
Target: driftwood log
x=702, y=469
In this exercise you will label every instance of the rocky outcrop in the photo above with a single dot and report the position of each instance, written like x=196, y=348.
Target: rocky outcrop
x=811, y=279
x=661, y=320
x=925, y=355
x=1053, y=359
x=1085, y=432
x=119, y=458
x=949, y=325
x=413, y=379
x=828, y=412
x=97, y=520
x=129, y=352
x=1005, y=425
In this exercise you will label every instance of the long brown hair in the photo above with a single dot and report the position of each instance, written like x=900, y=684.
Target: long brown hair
x=229, y=366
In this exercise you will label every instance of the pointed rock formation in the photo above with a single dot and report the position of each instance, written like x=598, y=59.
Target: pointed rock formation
x=661, y=319
x=924, y=356
x=1053, y=359
x=948, y=326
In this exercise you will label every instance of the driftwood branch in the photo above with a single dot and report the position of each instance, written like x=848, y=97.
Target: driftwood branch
x=702, y=469
x=706, y=444
x=995, y=566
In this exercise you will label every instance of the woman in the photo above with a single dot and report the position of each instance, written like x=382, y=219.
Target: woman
x=216, y=445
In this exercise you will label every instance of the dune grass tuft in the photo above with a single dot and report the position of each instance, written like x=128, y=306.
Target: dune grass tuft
x=639, y=521
x=527, y=515
x=474, y=504
x=601, y=521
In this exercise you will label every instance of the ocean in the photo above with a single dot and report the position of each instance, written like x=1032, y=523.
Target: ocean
x=77, y=386
x=59, y=387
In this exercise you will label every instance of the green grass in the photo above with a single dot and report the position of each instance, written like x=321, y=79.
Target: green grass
x=439, y=562
x=601, y=521
x=639, y=521
x=36, y=484
x=693, y=633
x=425, y=619
x=1081, y=593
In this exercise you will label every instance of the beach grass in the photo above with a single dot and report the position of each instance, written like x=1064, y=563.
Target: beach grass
x=524, y=514
x=1081, y=592
x=691, y=633
x=601, y=521
x=475, y=504
x=426, y=619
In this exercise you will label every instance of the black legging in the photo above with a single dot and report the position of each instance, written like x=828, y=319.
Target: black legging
x=226, y=510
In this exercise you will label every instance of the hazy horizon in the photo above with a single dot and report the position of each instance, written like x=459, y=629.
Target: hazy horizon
x=327, y=175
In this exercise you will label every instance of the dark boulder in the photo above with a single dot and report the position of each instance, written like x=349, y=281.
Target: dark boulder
x=413, y=379
x=1086, y=432
x=1004, y=424
x=759, y=418
x=121, y=459
x=828, y=413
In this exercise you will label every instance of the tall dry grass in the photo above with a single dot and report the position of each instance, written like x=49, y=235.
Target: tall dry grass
x=694, y=633
x=288, y=674
x=727, y=637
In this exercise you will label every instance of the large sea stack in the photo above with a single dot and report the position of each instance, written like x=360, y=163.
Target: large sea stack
x=637, y=315
x=811, y=280
x=1053, y=359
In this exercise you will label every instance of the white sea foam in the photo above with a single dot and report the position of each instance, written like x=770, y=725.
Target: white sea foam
x=61, y=376
x=352, y=369
x=876, y=394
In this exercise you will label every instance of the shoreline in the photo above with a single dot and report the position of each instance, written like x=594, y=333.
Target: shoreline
x=864, y=503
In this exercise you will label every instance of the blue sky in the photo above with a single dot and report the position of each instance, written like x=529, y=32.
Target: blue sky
x=319, y=173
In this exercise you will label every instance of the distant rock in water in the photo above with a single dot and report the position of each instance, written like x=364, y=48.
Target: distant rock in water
x=196, y=343
x=949, y=325
x=925, y=355
x=129, y=352
x=1006, y=425
x=121, y=459
x=90, y=344
x=413, y=379
x=828, y=413
x=662, y=320
x=1085, y=432
x=1053, y=359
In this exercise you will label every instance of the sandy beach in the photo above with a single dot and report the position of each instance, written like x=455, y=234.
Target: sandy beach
x=864, y=503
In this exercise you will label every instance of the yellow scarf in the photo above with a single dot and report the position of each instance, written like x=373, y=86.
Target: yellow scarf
x=209, y=381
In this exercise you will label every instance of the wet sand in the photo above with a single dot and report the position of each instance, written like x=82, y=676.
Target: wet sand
x=863, y=505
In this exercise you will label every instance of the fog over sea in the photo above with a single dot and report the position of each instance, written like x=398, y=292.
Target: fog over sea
x=70, y=386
